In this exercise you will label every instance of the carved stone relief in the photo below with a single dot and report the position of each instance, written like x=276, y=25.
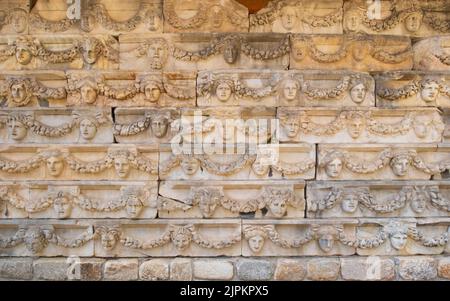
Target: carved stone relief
x=14, y=17
x=432, y=54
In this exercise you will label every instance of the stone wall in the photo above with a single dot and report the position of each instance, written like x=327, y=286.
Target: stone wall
x=191, y=140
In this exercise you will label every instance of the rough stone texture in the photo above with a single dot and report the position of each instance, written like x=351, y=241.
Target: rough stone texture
x=213, y=270
x=290, y=270
x=323, y=269
x=21, y=269
x=121, y=269
x=55, y=269
x=444, y=268
x=155, y=269
x=417, y=268
x=369, y=268
x=89, y=270
x=181, y=269
x=248, y=269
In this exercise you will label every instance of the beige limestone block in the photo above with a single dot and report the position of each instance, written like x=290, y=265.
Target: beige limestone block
x=14, y=16
x=413, y=89
x=22, y=125
x=298, y=16
x=350, y=125
x=46, y=238
x=237, y=162
x=381, y=161
x=368, y=268
x=356, y=52
x=181, y=269
x=417, y=268
x=205, y=16
x=79, y=162
x=17, y=269
x=204, y=51
x=25, y=52
x=444, y=268
x=168, y=238
x=446, y=118
x=52, y=269
x=323, y=269
x=121, y=269
x=154, y=269
x=33, y=88
x=297, y=237
x=219, y=199
x=378, y=199
x=290, y=270
x=401, y=236
x=432, y=54
x=403, y=18
x=213, y=269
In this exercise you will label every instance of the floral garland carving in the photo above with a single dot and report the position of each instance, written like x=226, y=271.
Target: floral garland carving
x=90, y=167
x=398, y=128
x=134, y=128
x=118, y=93
x=324, y=21
x=365, y=167
x=336, y=92
x=321, y=56
x=213, y=48
x=429, y=168
x=444, y=58
x=102, y=16
x=276, y=238
x=328, y=202
x=179, y=92
x=310, y=127
x=439, y=24
x=20, y=166
x=182, y=23
x=429, y=242
x=226, y=168
x=133, y=243
x=391, y=205
x=288, y=168
x=36, y=20
x=394, y=18
x=42, y=129
x=277, y=51
x=391, y=58
x=437, y=200
x=403, y=92
x=365, y=243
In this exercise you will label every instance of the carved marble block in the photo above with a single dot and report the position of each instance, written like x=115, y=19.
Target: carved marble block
x=407, y=89
x=221, y=199
x=432, y=54
x=97, y=16
x=317, y=125
x=204, y=51
x=78, y=199
x=205, y=16
x=60, y=52
x=33, y=89
x=401, y=236
x=407, y=18
x=355, y=52
x=297, y=237
x=78, y=162
x=164, y=238
x=446, y=117
x=300, y=16
x=381, y=161
x=237, y=162
x=22, y=125
x=46, y=238
x=378, y=199
x=14, y=16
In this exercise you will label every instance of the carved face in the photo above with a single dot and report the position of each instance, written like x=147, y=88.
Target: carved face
x=55, y=165
x=189, y=165
x=360, y=51
x=292, y=126
x=420, y=126
x=88, y=129
x=289, y=17
x=23, y=55
x=223, y=91
x=62, y=207
x=333, y=169
x=208, y=206
x=413, y=22
x=16, y=130
x=290, y=90
x=108, y=240
x=419, y=203
x=326, y=242
x=181, y=241
x=216, y=16
x=19, y=21
x=351, y=21
x=18, y=93
x=156, y=51
x=259, y=168
x=35, y=240
x=430, y=91
x=89, y=52
x=355, y=127
x=230, y=53
x=349, y=204
x=278, y=207
x=122, y=167
x=358, y=93
x=159, y=126
x=134, y=206
x=256, y=243
x=88, y=94
x=398, y=240
x=152, y=92
x=400, y=167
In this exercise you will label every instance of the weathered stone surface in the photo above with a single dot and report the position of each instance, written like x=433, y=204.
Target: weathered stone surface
x=213, y=270
x=14, y=17
x=432, y=54
x=368, y=268
x=290, y=270
x=444, y=268
x=251, y=270
x=121, y=269
x=417, y=268
x=21, y=269
x=90, y=269
x=154, y=269
x=181, y=269
x=323, y=269
x=56, y=269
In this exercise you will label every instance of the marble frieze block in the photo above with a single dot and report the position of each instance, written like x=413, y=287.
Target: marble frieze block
x=329, y=199
x=49, y=125
x=323, y=16
x=162, y=238
x=205, y=16
x=78, y=162
x=308, y=237
x=220, y=199
x=14, y=17
x=203, y=51
x=432, y=54
x=363, y=125
x=78, y=199
x=46, y=238
x=382, y=161
x=355, y=52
